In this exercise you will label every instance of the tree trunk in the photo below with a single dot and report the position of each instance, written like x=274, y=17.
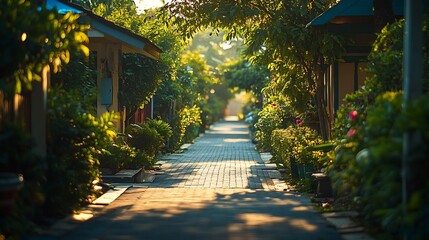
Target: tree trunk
x=383, y=14
x=324, y=123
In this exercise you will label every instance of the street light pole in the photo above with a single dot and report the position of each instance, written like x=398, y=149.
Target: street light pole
x=412, y=70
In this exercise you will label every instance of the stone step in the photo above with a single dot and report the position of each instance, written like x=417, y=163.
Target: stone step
x=130, y=176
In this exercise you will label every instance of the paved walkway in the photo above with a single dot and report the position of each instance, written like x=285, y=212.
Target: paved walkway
x=218, y=189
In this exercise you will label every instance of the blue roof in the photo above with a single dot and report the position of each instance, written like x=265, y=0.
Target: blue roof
x=61, y=7
x=352, y=8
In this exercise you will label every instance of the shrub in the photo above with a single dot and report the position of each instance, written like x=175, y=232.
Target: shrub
x=75, y=141
x=161, y=127
x=368, y=166
x=293, y=142
x=190, y=121
x=271, y=117
x=144, y=138
x=148, y=138
x=117, y=156
x=16, y=156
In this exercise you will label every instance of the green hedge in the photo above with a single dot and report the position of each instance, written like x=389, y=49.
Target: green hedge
x=293, y=143
x=75, y=141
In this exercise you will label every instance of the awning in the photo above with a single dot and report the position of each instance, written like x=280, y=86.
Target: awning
x=132, y=43
x=353, y=8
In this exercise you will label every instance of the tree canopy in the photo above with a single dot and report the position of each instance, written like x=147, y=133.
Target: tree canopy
x=43, y=37
x=275, y=35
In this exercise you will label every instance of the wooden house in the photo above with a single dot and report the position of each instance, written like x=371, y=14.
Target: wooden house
x=354, y=20
x=108, y=41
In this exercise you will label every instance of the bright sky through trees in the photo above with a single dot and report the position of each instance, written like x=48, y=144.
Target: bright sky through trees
x=146, y=4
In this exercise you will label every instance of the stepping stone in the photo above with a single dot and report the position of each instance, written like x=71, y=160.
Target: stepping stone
x=266, y=157
x=342, y=222
x=274, y=174
x=351, y=230
x=125, y=175
x=356, y=236
x=111, y=195
x=270, y=166
x=185, y=146
x=145, y=177
x=341, y=214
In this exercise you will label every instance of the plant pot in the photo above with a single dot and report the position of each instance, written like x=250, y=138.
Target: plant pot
x=10, y=183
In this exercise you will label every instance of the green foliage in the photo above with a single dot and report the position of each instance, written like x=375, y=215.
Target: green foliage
x=293, y=142
x=246, y=76
x=190, y=121
x=80, y=75
x=144, y=138
x=75, y=141
x=148, y=137
x=43, y=37
x=139, y=80
x=215, y=49
x=366, y=167
x=276, y=36
x=16, y=156
x=161, y=127
x=273, y=116
x=120, y=155
x=117, y=156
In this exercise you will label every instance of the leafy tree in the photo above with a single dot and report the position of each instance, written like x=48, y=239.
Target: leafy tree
x=275, y=34
x=43, y=37
x=215, y=49
x=246, y=76
x=79, y=75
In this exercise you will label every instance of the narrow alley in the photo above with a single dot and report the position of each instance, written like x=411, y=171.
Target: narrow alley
x=217, y=189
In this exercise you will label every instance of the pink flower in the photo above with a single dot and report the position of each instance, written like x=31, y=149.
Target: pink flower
x=353, y=115
x=351, y=132
x=299, y=122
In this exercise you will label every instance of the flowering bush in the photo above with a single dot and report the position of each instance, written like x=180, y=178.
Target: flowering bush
x=367, y=166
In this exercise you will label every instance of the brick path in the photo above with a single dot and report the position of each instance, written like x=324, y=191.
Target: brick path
x=223, y=158
x=217, y=189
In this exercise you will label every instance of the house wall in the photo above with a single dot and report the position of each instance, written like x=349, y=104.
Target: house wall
x=342, y=78
x=346, y=80
x=108, y=65
x=29, y=110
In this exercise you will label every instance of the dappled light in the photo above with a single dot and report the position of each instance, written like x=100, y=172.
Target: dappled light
x=215, y=211
x=236, y=140
x=82, y=216
x=260, y=219
x=209, y=119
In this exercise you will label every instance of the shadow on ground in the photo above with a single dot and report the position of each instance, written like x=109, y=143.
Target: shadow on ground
x=206, y=214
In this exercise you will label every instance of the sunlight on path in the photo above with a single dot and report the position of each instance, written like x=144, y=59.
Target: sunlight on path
x=231, y=118
x=217, y=189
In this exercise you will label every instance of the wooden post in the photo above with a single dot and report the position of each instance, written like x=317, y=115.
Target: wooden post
x=39, y=112
x=412, y=68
